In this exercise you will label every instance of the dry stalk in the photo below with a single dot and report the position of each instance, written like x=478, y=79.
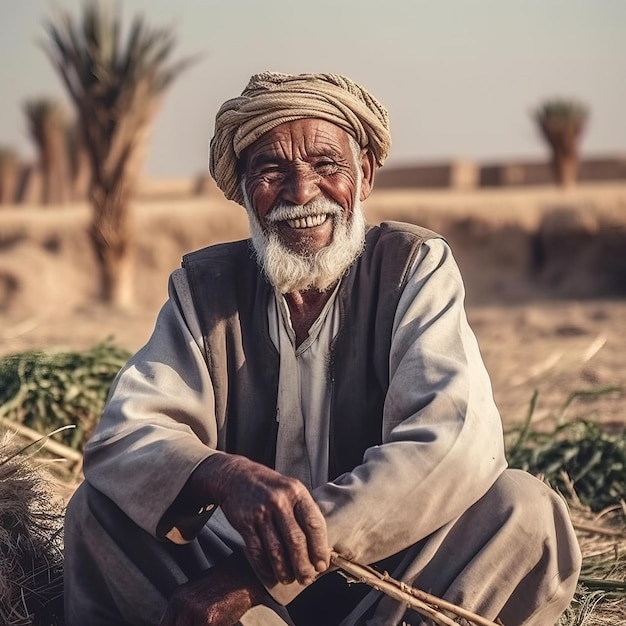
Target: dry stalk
x=54, y=447
x=598, y=530
x=424, y=603
x=31, y=524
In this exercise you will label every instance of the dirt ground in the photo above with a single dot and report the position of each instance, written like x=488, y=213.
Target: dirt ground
x=555, y=348
x=555, y=328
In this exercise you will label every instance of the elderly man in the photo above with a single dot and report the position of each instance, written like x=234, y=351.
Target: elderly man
x=314, y=388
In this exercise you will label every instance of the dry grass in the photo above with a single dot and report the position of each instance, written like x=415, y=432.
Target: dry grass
x=601, y=594
x=31, y=524
x=31, y=550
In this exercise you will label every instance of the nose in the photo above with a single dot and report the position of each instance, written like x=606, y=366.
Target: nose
x=300, y=186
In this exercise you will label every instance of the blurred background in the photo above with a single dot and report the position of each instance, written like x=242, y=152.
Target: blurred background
x=460, y=80
x=508, y=138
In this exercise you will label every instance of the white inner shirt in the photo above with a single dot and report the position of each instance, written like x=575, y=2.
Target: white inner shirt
x=303, y=406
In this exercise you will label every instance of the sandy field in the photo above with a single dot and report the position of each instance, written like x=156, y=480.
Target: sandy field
x=545, y=272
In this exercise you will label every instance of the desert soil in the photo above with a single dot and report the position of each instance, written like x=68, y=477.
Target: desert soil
x=535, y=332
x=554, y=348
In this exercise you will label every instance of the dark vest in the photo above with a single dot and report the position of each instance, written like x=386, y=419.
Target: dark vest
x=231, y=299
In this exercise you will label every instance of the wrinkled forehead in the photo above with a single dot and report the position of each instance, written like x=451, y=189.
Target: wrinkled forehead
x=303, y=138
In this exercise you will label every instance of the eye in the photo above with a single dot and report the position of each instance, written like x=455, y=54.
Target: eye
x=270, y=171
x=325, y=166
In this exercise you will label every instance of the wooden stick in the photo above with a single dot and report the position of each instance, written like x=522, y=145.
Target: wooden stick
x=52, y=446
x=422, y=602
x=598, y=530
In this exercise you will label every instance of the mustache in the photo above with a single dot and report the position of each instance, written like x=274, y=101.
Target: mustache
x=318, y=206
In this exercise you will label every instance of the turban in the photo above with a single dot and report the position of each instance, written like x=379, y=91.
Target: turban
x=271, y=99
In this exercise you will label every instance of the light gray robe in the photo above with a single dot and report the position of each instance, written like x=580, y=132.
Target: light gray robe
x=442, y=444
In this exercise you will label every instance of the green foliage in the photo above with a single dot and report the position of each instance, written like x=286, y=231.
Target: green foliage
x=46, y=390
x=576, y=454
x=562, y=110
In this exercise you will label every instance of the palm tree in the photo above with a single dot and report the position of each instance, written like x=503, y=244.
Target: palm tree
x=47, y=125
x=562, y=122
x=116, y=86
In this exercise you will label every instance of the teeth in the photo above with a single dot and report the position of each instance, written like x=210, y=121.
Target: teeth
x=307, y=222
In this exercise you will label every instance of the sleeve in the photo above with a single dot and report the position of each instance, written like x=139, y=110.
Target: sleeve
x=158, y=424
x=442, y=442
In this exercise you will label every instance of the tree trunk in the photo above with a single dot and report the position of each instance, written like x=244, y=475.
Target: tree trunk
x=565, y=166
x=8, y=181
x=53, y=164
x=59, y=171
x=45, y=169
x=78, y=165
x=563, y=141
x=80, y=176
x=114, y=173
x=111, y=235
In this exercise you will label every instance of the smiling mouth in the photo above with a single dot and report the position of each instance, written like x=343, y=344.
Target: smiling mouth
x=308, y=222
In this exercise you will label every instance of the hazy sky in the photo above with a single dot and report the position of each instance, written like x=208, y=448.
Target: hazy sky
x=459, y=77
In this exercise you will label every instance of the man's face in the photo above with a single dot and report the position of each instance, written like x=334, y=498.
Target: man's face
x=303, y=183
x=293, y=165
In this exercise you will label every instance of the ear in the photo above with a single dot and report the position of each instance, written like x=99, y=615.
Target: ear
x=368, y=168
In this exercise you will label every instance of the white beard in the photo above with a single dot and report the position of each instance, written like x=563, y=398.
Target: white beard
x=290, y=271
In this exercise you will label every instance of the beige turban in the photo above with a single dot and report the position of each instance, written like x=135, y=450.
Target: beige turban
x=271, y=99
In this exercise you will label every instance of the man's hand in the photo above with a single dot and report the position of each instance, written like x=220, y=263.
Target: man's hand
x=282, y=526
x=219, y=598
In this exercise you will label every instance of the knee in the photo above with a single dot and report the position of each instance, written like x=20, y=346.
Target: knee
x=543, y=545
x=538, y=516
x=522, y=500
x=526, y=499
x=524, y=494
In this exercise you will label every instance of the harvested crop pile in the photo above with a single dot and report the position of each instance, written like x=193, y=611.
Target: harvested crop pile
x=46, y=390
x=31, y=542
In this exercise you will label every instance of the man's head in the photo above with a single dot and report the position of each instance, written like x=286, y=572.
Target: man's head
x=299, y=152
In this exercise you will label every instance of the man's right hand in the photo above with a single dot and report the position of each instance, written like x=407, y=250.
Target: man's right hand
x=280, y=523
x=219, y=597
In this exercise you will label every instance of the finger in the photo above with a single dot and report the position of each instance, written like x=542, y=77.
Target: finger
x=276, y=553
x=313, y=525
x=258, y=556
x=295, y=542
